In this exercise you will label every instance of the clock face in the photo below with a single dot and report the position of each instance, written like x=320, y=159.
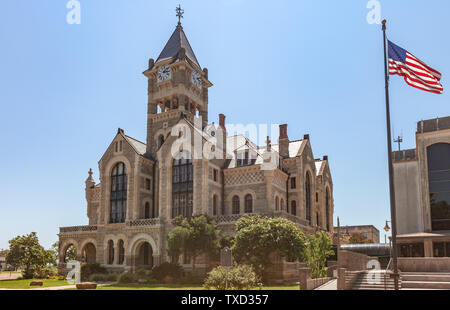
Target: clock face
x=164, y=73
x=196, y=79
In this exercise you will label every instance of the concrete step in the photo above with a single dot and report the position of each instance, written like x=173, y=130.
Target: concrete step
x=426, y=284
x=426, y=277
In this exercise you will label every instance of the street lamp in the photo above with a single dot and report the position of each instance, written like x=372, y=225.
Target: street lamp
x=386, y=229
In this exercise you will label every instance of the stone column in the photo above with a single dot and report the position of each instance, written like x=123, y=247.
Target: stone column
x=305, y=275
x=116, y=252
x=341, y=279
x=156, y=260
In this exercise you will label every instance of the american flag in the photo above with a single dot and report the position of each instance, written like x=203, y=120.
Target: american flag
x=416, y=73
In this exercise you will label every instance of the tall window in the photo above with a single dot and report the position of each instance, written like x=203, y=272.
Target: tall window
x=182, y=186
x=293, y=183
x=277, y=204
x=248, y=203
x=236, y=205
x=110, y=252
x=439, y=183
x=327, y=208
x=308, y=196
x=118, y=201
x=282, y=204
x=294, y=207
x=121, y=252
x=215, y=205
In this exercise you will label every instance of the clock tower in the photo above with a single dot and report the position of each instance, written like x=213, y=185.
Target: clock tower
x=177, y=86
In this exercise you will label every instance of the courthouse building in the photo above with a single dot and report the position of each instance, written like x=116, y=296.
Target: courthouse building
x=422, y=192
x=142, y=187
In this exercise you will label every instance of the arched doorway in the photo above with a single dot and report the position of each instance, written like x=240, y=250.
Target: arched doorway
x=89, y=253
x=144, y=255
x=69, y=253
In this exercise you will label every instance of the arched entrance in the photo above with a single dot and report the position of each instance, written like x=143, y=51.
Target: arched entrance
x=144, y=256
x=69, y=253
x=89, y=253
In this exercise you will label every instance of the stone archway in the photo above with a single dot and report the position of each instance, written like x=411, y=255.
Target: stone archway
x=144, y=256
x=142, y=251
x=89, y=253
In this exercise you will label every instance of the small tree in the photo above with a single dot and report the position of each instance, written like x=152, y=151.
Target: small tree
x=257, y=237
x=25, y=251
x=317, y=248
x=195, y=236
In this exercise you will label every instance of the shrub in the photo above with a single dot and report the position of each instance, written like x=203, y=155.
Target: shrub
x=46, y=272
x=141, y=272
x=191, y=278
x=151, y=280
x=166, y=271
x=240, y=277
x=88, y=269
x=126, y=277
x=98, y=277
x=112, y=277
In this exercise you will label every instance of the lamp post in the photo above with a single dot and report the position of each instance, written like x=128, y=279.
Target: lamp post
x=386, y=229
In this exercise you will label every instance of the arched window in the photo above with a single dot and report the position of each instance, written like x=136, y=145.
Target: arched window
x=277, y=204
x=121, y=252
x=110, y=252
x=327, y=208
x=282, y=204
x=215, y=205
x=118, y=197
x=439, y=184
x=294, y=207
x=248, y=203
x=182, y=186
x=236, y=205
x=308, y=196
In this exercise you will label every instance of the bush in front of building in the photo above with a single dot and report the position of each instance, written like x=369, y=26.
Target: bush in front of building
x=240, y=277
x=89, y=269
x=167, y=271
x=127, y=277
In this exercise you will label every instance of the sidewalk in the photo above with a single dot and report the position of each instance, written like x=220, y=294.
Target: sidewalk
x=329, y=286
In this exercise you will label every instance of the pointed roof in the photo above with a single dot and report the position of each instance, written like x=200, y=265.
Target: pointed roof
x=177, y=41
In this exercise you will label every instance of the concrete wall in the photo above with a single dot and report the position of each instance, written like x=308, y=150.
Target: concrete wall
x=408, y=197
x=352, y=261
x=424, y=264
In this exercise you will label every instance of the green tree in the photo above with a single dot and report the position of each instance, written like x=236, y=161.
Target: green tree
x=195, y=236
x=25, y=251
x=257, y=237
x=317, y=248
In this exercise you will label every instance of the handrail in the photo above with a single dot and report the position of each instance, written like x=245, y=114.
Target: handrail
x=385, y=273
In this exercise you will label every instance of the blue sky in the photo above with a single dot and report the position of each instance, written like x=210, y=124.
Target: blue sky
x=316, y=65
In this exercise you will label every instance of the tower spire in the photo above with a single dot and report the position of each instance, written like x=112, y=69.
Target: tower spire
x=180, y=13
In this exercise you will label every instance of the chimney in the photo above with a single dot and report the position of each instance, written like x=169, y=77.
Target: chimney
x=222, y=134
x=325, y=157
x=283, y=141
x=222, y=120
x=306, y=137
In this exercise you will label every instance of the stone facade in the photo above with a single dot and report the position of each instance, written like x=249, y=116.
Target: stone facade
x=222, y=188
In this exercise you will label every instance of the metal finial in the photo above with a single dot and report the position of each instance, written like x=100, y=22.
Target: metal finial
x=180, y=13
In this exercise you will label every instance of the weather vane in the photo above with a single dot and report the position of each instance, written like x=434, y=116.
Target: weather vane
x=180, y=13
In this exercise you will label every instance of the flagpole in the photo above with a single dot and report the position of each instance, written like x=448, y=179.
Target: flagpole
x=391, y=168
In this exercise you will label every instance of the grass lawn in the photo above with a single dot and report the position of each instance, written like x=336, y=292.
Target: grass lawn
x=25, y=284
x=161, y=287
